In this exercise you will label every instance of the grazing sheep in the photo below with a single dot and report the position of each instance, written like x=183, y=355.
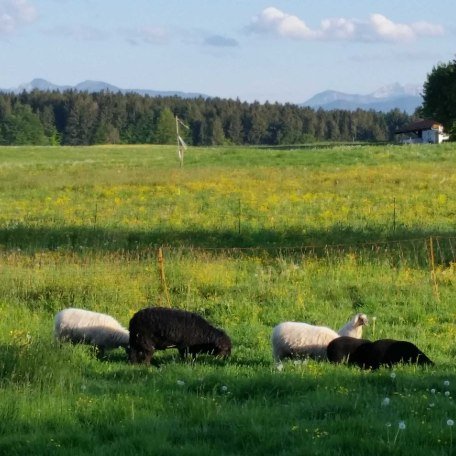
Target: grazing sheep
x=342, y=348
x=387, y=352
x=93, y=328
x=295, y=339
x=159, y=328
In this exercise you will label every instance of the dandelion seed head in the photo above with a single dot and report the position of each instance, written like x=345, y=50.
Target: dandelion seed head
x=393, y=375
x=433, y=391
x=450, y=422
x=224, y=389
x=446, y=383
x=401, y=425
x=386, y=401
x=447, y=393
x=180, y=382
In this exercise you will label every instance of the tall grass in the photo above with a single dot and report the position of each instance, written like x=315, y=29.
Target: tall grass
x=72, y=233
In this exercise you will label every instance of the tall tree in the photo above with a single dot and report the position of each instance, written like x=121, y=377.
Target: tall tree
x=81, y=120
x=165, y=130
x=22, y=126
x=47, y=118
x=439, y=94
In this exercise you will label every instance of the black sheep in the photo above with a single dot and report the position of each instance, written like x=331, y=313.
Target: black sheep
x=342, y=348
x=387, y=352
x=159, y=328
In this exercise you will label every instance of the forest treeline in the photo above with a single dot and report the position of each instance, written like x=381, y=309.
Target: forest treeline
x=81, y=118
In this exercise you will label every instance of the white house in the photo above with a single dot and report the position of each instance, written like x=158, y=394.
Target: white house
x=423, y=132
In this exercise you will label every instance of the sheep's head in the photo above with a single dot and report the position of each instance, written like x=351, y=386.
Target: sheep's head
x=360, y=320
x=223, y=345
x=354, y=328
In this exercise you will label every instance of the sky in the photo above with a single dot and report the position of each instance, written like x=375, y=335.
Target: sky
x=254, y=50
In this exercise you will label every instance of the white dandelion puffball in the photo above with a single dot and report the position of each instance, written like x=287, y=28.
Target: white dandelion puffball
x=447, y=393
x=224, y=389
x=450, y=422
x=433, y=391
x=446, y=383
x=180, y=383
x=393, y=375
x=386, y=401
x=401, y=425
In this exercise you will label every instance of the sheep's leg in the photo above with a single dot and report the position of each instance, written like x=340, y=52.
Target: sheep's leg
x=100, y=352
x=148, y=354
x=278, y=355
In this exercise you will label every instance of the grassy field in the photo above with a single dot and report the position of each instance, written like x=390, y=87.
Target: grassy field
x=250, y=237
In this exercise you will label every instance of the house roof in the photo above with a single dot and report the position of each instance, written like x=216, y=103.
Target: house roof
x=419, y=125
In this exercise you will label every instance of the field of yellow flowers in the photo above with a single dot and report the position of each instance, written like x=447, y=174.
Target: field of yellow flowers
x=250, y=237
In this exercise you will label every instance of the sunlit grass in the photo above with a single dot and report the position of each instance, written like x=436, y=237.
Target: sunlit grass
x=140, y=191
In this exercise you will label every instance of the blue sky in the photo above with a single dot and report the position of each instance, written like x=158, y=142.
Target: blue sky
x=276, y=50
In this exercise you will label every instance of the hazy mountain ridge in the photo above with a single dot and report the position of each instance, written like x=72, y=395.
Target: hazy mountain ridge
x=404, y=97
x=97, y=86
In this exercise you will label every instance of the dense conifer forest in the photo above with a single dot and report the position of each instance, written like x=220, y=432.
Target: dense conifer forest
x=80, y=118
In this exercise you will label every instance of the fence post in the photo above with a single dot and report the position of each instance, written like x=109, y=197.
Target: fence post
x=161, y=271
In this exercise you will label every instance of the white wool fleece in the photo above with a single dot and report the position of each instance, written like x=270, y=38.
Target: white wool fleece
x=85, y=326
x=300, y=339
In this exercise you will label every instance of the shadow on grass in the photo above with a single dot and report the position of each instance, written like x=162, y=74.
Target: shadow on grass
x=249, y=380
x=317, y=242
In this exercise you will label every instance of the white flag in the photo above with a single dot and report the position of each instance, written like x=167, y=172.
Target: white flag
x=182, y=123
x=182, y=142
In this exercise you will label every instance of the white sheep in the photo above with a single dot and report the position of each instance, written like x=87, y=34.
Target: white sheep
x=93, y=328
x=296, y=339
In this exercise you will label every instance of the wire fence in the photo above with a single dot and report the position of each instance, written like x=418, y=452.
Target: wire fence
x=429, y=251
x=49, y=279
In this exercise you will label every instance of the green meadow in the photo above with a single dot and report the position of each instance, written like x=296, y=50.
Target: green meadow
x=250, y=237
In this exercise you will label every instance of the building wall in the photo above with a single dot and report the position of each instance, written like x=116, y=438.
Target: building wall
x=430, y=136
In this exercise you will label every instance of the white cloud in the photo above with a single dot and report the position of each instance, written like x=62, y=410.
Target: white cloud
x=273, y=20
x=14, y=13
x=376, y=28
x=384, y=28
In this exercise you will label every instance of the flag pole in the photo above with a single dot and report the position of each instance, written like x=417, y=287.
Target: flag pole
x=180, y=151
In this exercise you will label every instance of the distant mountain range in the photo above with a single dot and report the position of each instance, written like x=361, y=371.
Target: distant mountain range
x=96, y=86
x=405, y=98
